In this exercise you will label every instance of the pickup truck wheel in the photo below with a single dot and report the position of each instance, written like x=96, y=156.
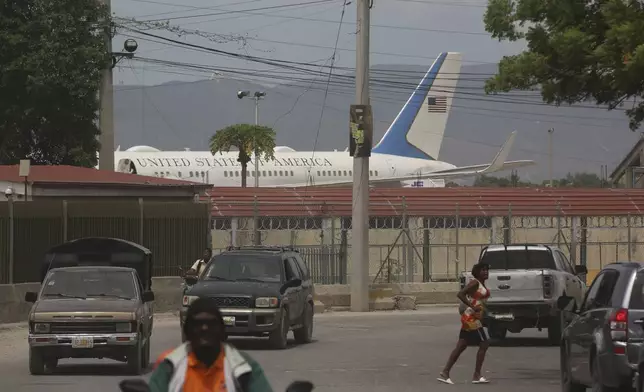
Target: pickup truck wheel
x=554, y=330
x=279, y=338
x=134, y=358
x=305, y=333
x=36, y=362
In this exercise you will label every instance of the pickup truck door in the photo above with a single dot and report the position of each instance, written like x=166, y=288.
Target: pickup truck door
x=574, y=285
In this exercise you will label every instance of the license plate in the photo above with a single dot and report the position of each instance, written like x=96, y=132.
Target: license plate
x=503, y=317
x=229, y=320
x=83, y=342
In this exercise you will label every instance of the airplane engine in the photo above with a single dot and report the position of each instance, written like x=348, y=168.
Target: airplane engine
x=126, y=166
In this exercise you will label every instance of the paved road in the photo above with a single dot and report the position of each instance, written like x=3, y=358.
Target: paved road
x=397, y=351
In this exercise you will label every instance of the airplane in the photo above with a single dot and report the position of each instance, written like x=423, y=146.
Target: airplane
x=406, y=156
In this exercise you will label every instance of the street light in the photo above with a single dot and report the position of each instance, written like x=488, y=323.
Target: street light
x=256, y=96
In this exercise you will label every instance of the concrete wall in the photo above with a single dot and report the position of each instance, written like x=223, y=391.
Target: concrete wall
x=167, y=290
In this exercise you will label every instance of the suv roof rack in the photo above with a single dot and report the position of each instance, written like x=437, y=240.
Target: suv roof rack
x=273, y=248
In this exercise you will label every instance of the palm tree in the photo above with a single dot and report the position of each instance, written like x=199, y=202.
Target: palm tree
x=247, y=138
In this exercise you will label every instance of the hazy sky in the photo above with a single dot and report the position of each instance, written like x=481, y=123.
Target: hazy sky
x=402, y=32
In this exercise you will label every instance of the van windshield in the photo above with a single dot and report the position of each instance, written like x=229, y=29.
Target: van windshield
x=519, y=259
x=89, y=283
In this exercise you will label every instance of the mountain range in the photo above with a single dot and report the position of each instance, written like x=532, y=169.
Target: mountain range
x=308, y=116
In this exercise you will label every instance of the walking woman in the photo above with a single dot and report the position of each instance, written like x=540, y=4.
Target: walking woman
x=473, y=296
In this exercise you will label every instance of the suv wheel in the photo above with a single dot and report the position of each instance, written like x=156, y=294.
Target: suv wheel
x=567, y=382
x=305, y=333
x=36, y=362
x=279, y=338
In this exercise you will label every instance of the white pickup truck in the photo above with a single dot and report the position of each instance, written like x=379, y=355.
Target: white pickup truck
x=525, y=282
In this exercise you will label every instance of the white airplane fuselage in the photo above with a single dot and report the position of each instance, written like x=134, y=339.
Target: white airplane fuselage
x=287, y=169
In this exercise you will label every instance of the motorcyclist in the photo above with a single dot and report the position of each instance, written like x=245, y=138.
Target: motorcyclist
x=204, y=363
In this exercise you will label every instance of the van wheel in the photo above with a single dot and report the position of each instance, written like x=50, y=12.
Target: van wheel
x=135, y=358
x=279, y=338
x=36, y=362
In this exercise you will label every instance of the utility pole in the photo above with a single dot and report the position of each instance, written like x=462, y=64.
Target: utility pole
x=551, y=131
x=361, y=128
x=106, y=114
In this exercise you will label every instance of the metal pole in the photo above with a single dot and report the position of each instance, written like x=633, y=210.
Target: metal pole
x=11, y=239
x=256, y=158
x=360, y=213
x=106, y=115
x=550, y=132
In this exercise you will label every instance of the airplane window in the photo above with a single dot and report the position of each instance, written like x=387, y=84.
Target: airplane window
x=370, y=173
x=275, y=173
x=270, y=173
x=263, y=173
x=376, y=173
x=345, y=173
x=225, y=174
x=328, y=173
x=318, y=173
x=323, y=173
x=191, y=174
x=334, y=173
x=281, y=173
x=156, y=174
x=236, y=174
x=351, y=172
x=292, y=173
x=179, y=174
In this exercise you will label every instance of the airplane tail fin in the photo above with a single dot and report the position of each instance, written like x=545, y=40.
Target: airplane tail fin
x=418, y=129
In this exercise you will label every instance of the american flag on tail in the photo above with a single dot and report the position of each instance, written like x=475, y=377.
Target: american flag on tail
x=437, y=104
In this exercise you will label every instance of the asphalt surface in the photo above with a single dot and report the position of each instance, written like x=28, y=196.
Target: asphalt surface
x=392, y=351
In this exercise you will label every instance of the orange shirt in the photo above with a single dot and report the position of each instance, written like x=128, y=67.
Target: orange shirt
x=199, y=378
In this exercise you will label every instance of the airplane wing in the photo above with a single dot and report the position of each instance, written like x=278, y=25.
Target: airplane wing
x=499, y=163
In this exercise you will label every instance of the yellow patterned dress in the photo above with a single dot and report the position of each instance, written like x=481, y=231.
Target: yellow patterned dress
x=471, y=326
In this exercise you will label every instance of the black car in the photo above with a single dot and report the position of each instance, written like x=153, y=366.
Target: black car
x=262, y=291
x=600, y=347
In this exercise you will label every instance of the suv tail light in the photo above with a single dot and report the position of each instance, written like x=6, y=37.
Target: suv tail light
x=619, y=329
x=548, y=286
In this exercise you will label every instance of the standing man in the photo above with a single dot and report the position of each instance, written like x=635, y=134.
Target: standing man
x=200, y=265
x=205, y=363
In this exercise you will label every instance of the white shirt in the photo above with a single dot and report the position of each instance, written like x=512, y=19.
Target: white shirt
x=199, y=266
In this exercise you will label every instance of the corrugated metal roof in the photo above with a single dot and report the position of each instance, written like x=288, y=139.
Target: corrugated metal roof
x=468, y=201
x=64, y=174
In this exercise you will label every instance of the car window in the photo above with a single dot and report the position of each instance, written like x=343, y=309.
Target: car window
x=292, y=272
x=519, y=259
x=566, y=264
x=637, y=294
x=303, y=268
x=603, y=293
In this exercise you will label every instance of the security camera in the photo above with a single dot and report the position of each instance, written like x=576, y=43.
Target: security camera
x=242, y=94
x=130, y=45
x=8, y=192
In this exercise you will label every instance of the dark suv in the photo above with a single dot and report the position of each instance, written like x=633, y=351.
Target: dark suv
x=262, y=291
x=600, y=347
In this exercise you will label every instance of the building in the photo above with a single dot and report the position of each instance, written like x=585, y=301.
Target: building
x=78, y=183
x=628, y=174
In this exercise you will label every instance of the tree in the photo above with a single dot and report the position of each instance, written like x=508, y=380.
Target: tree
x=577, y=50
x=246, y=138
x=50, y=66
